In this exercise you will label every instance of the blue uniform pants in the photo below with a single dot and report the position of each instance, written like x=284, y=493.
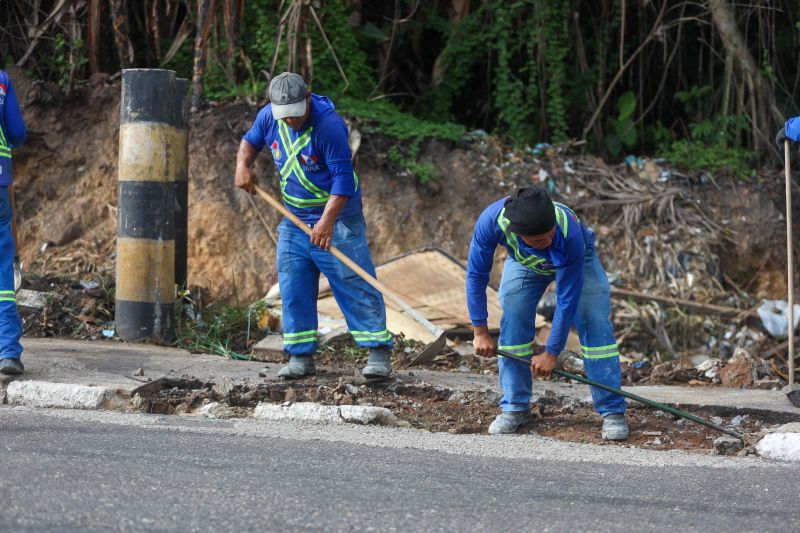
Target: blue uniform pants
x=520, y=291
x=299, y=266
x=10, y=326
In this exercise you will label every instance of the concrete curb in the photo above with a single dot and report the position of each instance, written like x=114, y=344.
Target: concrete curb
x=782, y=443
x=330, y=414
x=63, y=395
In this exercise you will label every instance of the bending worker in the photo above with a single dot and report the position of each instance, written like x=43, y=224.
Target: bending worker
x=545, y=243
x=12, y=135
x=308, y=141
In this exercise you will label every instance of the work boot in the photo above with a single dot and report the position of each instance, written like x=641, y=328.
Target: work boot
x=379, y=364
x=510, y=422
x=299, y=366
x=11, y=367
x=614, y=427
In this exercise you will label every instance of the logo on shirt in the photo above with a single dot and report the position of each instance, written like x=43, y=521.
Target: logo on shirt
x=2, y=93
x=309, y=162
x=276, y=152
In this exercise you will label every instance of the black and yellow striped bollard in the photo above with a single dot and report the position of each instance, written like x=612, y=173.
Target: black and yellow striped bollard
x=150, y=151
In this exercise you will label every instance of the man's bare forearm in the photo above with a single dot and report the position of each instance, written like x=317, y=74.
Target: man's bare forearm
x=332, y=209
x=246, y=155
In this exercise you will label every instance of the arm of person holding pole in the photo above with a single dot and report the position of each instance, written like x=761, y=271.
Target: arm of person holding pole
x=245, y=179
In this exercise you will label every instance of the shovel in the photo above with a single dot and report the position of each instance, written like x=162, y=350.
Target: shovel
x=666, y=408
x=431, y=350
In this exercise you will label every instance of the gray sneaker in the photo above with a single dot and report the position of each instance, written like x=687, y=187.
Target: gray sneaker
x=509, y=422
x=299, y=366
x=11, y=367
x=614, y=427
x=379, y=364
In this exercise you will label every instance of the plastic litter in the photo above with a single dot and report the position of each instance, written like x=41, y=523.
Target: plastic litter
x=773, y=315
x=540, y=149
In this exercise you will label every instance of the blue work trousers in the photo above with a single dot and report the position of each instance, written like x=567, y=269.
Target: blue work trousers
x=299, y=267
x=10, y=325
x=520, y=291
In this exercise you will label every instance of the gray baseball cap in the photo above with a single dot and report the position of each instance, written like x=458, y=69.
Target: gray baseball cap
x=287, y=92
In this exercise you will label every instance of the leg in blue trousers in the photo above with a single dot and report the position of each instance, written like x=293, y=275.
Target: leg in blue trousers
x=361, y=304
x=600, y=351
x=298, y=277
x=299, y=266
x=10, y=325
x=520, y=292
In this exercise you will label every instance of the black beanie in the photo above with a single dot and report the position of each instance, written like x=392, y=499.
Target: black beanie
x=530, y=211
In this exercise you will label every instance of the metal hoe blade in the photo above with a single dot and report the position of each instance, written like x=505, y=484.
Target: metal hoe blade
x=430, y=351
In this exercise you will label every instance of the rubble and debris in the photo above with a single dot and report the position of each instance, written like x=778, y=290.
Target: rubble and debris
x=33, y=299
x=738, y=420
x=710, y=369
x=792, y=392
x=726, y=445
x=740, y=370
x=782, y=443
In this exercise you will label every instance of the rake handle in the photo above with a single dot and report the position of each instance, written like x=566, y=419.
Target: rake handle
x=363, y=274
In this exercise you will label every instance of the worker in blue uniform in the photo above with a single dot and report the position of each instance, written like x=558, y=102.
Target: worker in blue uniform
x=788, y=132
x=545, y=242
x=308, y=142
x=12, y=135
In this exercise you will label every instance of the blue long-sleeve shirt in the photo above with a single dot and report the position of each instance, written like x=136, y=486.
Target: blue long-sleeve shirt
x=12, y=127
x=326, y=161
x=793, y=129
x=563, y=260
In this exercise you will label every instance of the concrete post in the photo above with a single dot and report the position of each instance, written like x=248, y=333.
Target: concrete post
x=148, y=154
x=182, y=181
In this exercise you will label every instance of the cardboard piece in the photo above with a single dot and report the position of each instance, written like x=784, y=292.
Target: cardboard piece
x=434, y=284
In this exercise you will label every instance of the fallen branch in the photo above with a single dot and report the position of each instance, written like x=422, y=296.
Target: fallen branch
x=697, y=307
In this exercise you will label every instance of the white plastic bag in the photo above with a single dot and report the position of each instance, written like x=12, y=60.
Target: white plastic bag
x=774, y=317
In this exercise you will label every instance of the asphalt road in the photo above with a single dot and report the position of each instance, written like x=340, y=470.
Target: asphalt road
x=112, y=472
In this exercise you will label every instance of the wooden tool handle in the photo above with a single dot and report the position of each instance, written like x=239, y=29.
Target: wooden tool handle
x=787, y=165
x=363, y=274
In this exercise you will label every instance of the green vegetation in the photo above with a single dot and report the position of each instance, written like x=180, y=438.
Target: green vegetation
x=219, y=329
x=623, y=131
x=384, y=117
x=713, y=146
x=628, y=77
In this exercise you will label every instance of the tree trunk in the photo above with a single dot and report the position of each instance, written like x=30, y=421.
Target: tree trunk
x=93, y=35
x=154, y=25
x=231, y=13
x=119, y=21
x=764, y=114
x=205, y=19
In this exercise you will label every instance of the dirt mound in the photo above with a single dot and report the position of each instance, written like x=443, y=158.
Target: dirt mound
x=66, y=193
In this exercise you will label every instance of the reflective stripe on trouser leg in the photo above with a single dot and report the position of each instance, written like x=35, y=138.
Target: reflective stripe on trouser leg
x=298, y=277
x=10, y=325
x=361, y=304
x=600, y=352
x=520, y=291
